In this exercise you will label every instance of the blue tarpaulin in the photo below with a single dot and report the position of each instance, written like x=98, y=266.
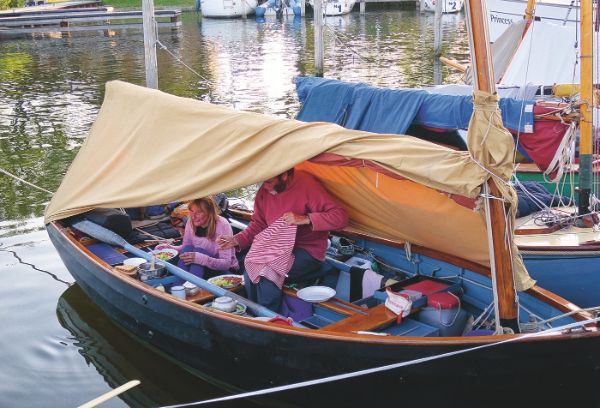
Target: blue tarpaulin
x=363, y=107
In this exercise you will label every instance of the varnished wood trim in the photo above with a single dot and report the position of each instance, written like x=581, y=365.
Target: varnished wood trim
x=377, y=317
x=595, y=246
x=288, y=330
x=558, y=302
x=536, y=231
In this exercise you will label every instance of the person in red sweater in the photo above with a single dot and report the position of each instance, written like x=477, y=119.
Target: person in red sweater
x=298, y=199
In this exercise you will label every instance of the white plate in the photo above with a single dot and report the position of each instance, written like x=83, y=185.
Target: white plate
x=239, y=309
x=134, y=261
x=172, y=252
x=316, y=294
x=216, y=279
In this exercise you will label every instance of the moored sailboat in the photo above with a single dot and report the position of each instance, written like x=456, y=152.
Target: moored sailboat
x=391, y=186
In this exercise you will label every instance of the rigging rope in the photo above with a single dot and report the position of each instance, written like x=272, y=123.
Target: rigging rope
x=20, y=180
x=384, y=368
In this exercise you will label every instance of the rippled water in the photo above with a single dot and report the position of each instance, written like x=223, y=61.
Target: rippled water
x=58, y=349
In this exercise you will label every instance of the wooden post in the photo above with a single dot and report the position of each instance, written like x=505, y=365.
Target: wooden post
x=421, y=6
x=244, y=15
x=437, y=71
x=362, y=7
x=150, y=44
x=437, y=28
x=318, y=27
x=501, y=264
x=303, y=7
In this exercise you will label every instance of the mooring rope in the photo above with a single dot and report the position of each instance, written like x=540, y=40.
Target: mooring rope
x=19, y=179
x=360, y=373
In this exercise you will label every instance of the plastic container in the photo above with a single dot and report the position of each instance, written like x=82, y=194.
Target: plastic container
x=444, y=312
x=359, y=262
x=178, y=291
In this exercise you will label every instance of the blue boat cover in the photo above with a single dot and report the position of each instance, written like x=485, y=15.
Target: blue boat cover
x=107, y=253
x=363, y=107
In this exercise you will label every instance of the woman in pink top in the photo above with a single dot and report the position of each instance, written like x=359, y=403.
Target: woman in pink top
x=199, y=251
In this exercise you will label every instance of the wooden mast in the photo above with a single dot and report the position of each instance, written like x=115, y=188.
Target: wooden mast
x=585, y=126
x=484, y=81
x=529, y=11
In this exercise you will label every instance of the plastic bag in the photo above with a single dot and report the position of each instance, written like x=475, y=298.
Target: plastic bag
x=398, y=303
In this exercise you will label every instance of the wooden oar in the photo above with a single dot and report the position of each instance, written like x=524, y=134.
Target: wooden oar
x=105, y=235
x=113, y=393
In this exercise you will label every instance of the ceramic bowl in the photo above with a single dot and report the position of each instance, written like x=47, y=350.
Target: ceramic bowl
x=224, y=303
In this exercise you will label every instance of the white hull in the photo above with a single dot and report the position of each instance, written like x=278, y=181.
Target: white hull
x=501, y=13
x=227, y=8
x=336, y=7
x=448, y=6
x=287, y=11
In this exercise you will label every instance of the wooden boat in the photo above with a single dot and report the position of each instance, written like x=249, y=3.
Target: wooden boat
x=392, y=190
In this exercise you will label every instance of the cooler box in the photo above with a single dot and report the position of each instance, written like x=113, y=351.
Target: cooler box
x=444, y=312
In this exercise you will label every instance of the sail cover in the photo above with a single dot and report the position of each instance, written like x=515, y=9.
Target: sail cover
x=147, y=147
x=537, y=60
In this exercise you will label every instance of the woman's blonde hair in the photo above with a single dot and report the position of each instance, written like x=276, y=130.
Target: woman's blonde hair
x=213, y=214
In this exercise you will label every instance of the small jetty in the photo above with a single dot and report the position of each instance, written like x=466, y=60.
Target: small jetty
x=41, y=19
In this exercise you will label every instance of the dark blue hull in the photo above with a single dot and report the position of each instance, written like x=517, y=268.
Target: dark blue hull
x=572, y=277
x=241, y=354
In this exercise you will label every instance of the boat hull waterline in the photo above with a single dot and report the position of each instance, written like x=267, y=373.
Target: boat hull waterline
x=249, y=355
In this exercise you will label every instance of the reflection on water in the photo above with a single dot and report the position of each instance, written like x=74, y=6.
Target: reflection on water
x=119, y=358
x=51, y=87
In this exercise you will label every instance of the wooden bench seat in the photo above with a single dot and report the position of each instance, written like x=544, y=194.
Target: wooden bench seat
x=375, y=318
x=340, y=306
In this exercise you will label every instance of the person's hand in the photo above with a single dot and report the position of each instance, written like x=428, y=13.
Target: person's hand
x=226, y=242
x=295, y=219
x=163, y=246
x=188, y=257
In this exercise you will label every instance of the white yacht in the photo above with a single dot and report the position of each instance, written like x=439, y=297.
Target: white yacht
x=227, y=8
x=501, y=13
x=448, y=6
x=336, y=7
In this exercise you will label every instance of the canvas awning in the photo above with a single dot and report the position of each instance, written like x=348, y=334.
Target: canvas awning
x=147, y=147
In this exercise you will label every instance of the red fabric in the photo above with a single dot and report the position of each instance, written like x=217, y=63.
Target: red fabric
x=306, y=196
x=271, y=253
x=281, y=321
x=427, y=287
x=442, y=300
x=541, y=145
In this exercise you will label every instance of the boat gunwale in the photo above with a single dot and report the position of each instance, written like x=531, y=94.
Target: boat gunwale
x=322, y=333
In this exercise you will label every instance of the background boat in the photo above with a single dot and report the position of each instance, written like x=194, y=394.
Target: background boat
x=227, y=8
x=502, y=13
x=448, y=6
x=279, y=8
x=336, y=7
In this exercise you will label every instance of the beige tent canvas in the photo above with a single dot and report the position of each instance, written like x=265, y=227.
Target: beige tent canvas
x=147, y=147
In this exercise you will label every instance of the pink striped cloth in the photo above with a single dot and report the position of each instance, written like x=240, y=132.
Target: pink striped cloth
x=270, y=255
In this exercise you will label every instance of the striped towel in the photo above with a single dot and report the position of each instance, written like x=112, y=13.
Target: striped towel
x=271, y=253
